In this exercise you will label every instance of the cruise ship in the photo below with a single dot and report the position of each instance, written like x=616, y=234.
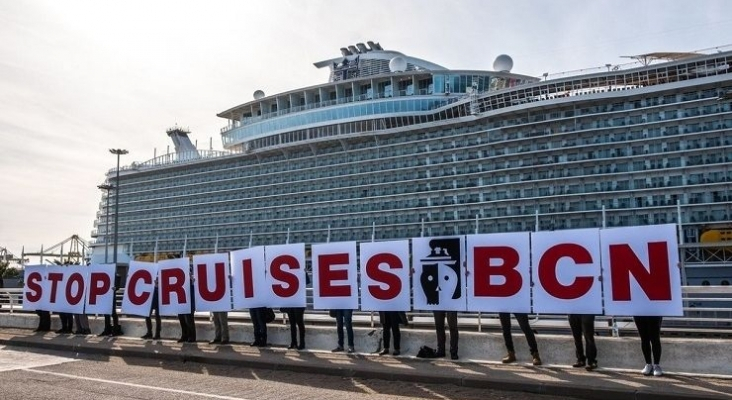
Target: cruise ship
x=394, y=146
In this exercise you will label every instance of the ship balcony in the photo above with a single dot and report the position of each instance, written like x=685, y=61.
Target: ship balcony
x=94, y=233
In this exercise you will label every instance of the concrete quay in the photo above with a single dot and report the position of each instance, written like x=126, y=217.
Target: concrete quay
x=695, y=368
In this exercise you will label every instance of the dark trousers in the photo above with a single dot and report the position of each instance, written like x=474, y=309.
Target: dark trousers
x=187, y=327
x=259, y=324
x=390, y=322
x=523, y=321
x=67, y=322
x=148, y=321
x=44, y=321
x=649, y=329
x=221, y=325
x=344, y=318
x=440, y=317
x=296, y=316
x=583, y=325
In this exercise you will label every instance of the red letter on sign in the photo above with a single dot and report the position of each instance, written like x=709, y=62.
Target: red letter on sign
x=100, y=284
x=287, y=277
x=247, y=275
x=145, y=277
x=484, y=270
x=220, y=283
x=55, y=278
x=79, y=280
x=655, y=281
x=548, y=271
x=35, y=290
x=326, y=275
x=393, y=283
x=172, y=281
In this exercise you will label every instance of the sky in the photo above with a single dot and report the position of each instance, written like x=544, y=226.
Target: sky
x=78, y=77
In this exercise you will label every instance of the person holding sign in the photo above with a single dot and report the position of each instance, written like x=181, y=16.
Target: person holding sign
x=390, y=321
x=649, y=329
x=584, y=325
x=523, y=321
x=344, y=318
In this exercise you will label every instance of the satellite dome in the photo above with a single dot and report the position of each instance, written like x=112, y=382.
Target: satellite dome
x=398, y=64
x=258, y=94
x=503, y=63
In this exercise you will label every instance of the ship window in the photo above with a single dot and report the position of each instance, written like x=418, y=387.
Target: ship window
x=725, y=283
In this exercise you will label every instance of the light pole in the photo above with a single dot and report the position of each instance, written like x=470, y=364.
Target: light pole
x=118, y=152
x=106, y=187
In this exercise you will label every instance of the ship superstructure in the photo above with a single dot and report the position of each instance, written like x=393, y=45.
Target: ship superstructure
x=396, y=147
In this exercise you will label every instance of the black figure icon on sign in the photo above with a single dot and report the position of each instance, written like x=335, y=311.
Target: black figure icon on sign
x=441, y=270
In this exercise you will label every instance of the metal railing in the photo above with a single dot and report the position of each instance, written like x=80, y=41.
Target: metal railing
x=707, y=313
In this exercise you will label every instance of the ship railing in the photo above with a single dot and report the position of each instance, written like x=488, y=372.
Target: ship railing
x=707, y=313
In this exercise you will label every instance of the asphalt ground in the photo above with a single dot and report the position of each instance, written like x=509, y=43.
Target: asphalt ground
x=553, y=380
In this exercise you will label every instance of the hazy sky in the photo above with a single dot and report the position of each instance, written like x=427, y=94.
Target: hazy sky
x=80, y=77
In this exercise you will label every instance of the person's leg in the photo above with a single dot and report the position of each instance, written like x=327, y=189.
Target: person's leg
x=588, y=330
x=293, y=328
x=255, y=326
x=386, y=328
x=158, y=323
x=440, y=331
x=523, y=321
x=339, y=328
x=396, y=332
x=191, y=320
x=224, y=321
x=575, y=324
x=505, y=319
x=452, y=324
x=642, y=326
x=217, y=327
x=148, y=326
x=654, y=330
x=348, y=322
x=183, y=328
x=299, y=317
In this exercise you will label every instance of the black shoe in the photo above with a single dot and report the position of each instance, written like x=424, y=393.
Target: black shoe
x=61, y=331
x=86, y=332
x=156, y=337
x=440, y=354
x=396, y=352
x=301, y=346
x=181, y=340
x=453, y=356
x=591, y=366
x=116, y=331
x=384, y=352
x=579, y=364
x=224, y=341
x=146, y=336
x=254, y=344
x=105, y=332
x=191, y=340
x=292, y=346
x=214, y=341
x=338, y=349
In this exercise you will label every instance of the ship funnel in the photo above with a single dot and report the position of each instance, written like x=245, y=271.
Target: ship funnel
x=361, y=47
x=184, y=149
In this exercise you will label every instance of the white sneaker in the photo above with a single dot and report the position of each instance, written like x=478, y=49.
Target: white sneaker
x=657, y=371
x=647, y=370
